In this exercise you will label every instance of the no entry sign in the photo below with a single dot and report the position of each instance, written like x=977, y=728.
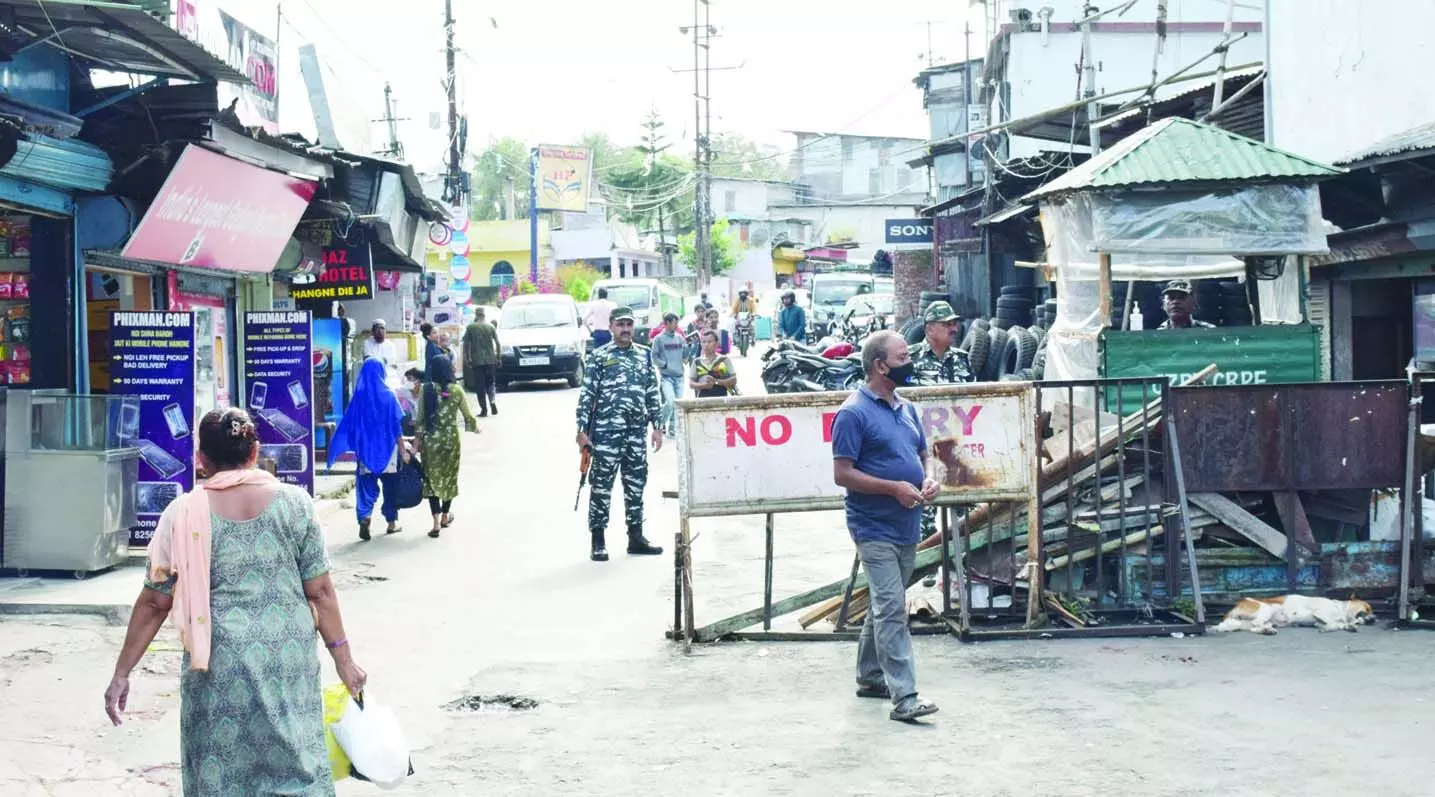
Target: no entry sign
x=774, y=453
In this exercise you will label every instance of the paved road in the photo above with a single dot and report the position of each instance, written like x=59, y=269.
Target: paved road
x=507, y=604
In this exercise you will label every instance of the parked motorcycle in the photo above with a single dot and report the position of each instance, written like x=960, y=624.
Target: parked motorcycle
x=743, y=332
x=792, y=367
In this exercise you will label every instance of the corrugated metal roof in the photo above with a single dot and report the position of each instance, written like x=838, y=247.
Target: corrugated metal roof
x=1413, y=140
x=1178, y=150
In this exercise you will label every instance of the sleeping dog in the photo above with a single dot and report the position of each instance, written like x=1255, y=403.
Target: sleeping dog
x=1265, y=615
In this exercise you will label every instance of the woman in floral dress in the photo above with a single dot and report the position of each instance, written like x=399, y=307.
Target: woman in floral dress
x=443, y=403
x=239, y=565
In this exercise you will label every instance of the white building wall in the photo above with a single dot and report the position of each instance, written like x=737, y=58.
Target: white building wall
x=1042, y=74
x=866, y=222
x=1346, y=74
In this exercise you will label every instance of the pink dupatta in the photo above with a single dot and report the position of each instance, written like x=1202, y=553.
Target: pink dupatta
x=181, y=548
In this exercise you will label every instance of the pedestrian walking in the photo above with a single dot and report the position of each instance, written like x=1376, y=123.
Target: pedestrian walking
x=713, y=374
x=481, y=352
x=598, y=318
x=379, y=345
x=879, y=456
x=937, y=360
x=440, y=443
x=432, y=347
x=239, y=565
x=670, y=358
x=373, y=429
x=616, y=405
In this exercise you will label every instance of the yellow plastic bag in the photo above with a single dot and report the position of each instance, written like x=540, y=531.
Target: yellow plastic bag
x=336, y=699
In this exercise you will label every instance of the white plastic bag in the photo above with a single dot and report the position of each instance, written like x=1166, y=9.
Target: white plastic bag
x=374, y=742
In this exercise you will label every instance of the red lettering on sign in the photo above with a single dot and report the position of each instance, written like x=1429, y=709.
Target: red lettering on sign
x=934, y=421
x=336, y=257
x=967, y=418
x=827, y=419
x=783, y=431
x=746, y=430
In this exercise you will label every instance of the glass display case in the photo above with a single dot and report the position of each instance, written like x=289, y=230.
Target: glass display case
x=70, y=480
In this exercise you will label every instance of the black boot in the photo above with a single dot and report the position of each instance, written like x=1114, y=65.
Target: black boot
x=639, y=546
x=600, y=548
x=364, y=529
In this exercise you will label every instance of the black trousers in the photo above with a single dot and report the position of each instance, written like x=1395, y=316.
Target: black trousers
x=482, y=382
x=437, y=507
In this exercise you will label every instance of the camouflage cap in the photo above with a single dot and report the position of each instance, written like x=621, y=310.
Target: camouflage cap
x=621, y=313
x=1177, y=286
x=939, y=311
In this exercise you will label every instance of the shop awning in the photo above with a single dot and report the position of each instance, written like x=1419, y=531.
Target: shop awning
x=220, y=213
x=113, y=36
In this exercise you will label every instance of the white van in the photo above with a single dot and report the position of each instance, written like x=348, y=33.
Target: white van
x=543, y=337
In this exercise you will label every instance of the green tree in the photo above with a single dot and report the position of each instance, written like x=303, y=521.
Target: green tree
x=734, y=155
x=725, y=247
x=646, y=185
x=503, y=164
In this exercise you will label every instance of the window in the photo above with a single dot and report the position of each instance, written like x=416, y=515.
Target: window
x=874, y=181
x=501, y=274
x=729, y=201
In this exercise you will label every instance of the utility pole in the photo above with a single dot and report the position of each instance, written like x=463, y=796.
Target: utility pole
x=702, y=154
x=395, y=148
x=966, y=106
x=453, y=181
x=1088, y=80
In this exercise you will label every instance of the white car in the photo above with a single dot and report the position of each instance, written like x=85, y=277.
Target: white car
x=543, y=337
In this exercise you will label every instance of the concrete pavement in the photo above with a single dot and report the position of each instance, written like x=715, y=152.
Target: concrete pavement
x=506, y=604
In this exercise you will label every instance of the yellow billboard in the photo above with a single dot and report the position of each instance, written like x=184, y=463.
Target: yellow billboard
x=563, y=177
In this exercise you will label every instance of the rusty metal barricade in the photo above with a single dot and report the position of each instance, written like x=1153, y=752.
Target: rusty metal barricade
x=1105, y=558
x=770, y=455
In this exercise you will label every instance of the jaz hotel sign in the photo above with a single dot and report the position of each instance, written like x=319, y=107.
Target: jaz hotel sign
x=908, y=231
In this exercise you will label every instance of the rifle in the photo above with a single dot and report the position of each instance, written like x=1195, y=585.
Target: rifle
x=583, y=464
x=586, y=460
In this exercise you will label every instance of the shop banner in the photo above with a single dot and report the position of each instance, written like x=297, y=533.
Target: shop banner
x=347, y=275
x=220, y=213
x=255, y=56
x=563, y=178
x=279, y=375
x=152, y=357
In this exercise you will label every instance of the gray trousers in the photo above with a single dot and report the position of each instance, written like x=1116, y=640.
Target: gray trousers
x=884, y=651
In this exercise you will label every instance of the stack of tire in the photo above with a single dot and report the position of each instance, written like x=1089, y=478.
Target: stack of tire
x=914, y=330
x=1014, y=307
x=1002, y=354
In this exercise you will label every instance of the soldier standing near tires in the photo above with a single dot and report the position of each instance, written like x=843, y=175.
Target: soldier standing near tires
x=616, y=405
x=938, y=361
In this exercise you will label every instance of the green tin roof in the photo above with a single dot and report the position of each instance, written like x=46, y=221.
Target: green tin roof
x=1176, y=150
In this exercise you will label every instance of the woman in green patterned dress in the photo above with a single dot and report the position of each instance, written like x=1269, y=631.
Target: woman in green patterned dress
x=239, y=563
x=443, y=403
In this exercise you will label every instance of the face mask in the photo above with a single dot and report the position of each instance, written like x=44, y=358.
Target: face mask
x=901, y=374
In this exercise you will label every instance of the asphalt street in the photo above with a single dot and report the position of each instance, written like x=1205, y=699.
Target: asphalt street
x=520, y=667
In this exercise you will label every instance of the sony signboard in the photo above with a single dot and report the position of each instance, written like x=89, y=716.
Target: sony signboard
x=908, y=231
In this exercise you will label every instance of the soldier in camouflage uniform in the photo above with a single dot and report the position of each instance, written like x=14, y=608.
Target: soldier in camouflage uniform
x=618, y=402
x=938, y=361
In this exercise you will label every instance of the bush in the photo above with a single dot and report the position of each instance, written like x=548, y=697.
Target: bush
x=577, y=280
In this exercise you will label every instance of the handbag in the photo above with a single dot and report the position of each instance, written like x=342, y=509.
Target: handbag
x=408, y=483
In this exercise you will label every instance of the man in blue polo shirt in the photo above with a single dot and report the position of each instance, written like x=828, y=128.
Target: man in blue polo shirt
x=879, y=455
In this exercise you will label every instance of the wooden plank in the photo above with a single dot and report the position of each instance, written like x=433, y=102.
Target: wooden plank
x=1242, y=522
x=1106, y=547
x=1293, y=517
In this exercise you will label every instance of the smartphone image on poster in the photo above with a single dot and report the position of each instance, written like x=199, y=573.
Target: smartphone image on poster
x=159, y=460
x=296, y=395
x=287, y=457
x=151, y=498
x=258, y=393
x=178, y=424
x=129, y=426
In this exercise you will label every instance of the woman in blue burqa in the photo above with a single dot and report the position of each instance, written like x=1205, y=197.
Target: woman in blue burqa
x=372, y=428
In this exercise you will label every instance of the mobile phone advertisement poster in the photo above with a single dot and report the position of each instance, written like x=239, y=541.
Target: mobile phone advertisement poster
x=152, y=357
x=279, y=391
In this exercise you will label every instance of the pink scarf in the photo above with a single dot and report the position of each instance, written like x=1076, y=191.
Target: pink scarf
x=181, y=548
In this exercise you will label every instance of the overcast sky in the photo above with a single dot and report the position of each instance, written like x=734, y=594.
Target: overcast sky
x=551, y=71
